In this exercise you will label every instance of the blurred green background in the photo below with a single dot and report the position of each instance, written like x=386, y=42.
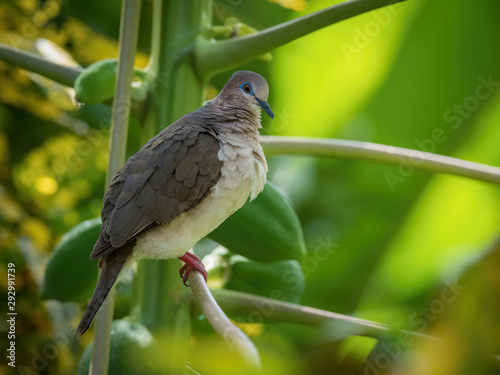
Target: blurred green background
x=391, y=244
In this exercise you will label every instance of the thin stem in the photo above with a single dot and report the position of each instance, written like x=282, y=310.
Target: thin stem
x=235, y=338
x=338, y=148
x=216, y=56
x=65, y=75
x=271, y=310
x=129, y=27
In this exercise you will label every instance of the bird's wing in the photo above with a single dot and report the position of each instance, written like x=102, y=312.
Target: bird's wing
x=170, y=175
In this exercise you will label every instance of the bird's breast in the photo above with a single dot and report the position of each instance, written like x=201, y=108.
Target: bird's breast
x=241, y=166
x=243, y=174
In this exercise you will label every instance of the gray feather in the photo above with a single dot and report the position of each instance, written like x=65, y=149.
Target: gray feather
x=131, y=204
x=111, y=265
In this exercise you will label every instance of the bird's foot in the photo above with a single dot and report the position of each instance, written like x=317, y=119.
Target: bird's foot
x=191, y=262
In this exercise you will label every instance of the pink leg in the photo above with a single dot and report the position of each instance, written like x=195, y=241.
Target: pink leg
x=192, y=262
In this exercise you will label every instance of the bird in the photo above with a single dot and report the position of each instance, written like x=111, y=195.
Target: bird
x=182, y=184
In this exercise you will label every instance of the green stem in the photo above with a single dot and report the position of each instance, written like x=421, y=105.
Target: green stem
x=338, y=148
x=271, y=310
x=129, y=27
x=216, y=56
x=234, y=337
x=65, y=75
x=179, y=90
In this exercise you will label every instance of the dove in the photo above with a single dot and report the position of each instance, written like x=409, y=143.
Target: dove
x=182, y=185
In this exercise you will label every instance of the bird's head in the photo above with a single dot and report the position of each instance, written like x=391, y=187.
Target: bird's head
x=248, y=88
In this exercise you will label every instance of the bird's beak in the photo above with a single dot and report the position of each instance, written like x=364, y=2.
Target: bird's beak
x=263, y=104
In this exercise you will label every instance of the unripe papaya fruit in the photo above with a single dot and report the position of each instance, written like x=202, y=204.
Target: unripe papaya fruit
x=266, y=229
x=133, y=351
x=96, y=83
x=283, y=280
x=69, y=275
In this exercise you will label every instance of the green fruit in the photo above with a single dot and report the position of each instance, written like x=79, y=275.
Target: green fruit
x=282, y=280
x=96, y=83
x=266, y=229
x=69, y=275
x=133, y=351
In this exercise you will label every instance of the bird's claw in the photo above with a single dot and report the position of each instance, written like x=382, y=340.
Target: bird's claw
x=191, y=262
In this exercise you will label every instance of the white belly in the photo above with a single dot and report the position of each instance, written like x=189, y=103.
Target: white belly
x=242, y=175
x=173, y=239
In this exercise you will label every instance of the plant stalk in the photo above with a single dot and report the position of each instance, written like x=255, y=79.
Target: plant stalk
x=129, y=28
x=373, y=152
x=215, y=56
x=236, y=340
x=65, y=75
x=270, y=310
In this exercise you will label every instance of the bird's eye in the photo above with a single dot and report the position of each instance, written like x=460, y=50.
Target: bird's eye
x=247, y=88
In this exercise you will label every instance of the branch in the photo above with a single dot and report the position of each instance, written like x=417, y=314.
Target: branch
x=338, y=148
x=65, y=75
x=129, y=29
x=271, y=310
x=234, y=337
x=215, y=56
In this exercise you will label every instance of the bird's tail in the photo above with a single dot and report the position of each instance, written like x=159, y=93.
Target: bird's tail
x=109, y=273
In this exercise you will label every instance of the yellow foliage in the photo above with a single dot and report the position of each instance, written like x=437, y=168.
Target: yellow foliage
x=10, y=210
x=296, y=5
x=251, y=329
x=22, y=27
x=46, y=185
x=66, y=198
x=36, y=230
